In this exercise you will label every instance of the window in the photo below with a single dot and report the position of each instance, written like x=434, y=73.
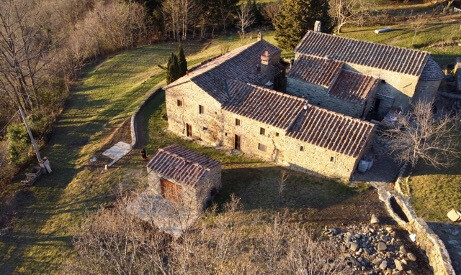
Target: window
x=237, y=142
x=262, y=131
x=200, y=109
x=277, y=134
x=237, y=122
x=332, y=159
x=205, y=129
x=261, y=147
x=301, y=148
x=179, y=103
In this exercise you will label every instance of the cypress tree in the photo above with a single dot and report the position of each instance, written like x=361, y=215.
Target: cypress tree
x=172, y=72
x=182, y=62
x=297, y=17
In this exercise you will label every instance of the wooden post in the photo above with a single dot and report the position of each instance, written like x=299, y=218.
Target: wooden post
x=34, y=144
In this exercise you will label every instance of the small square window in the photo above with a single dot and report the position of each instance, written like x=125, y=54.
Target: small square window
x=277, y=134
x=332, y=159
x=179, y=103
x=301, y=148
x=200, y=109
x=237, y=122
x=261, y=147
x=205, y=129
x=262, y=131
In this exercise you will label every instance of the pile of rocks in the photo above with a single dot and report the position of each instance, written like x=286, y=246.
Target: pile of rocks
x=372, y=249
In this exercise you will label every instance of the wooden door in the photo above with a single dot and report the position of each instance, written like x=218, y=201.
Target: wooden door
x=188, y=130
x=237, y=142
x=171, y=191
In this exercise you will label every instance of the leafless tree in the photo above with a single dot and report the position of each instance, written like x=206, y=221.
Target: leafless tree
x=446, y=9
x=245, y=18
x=420, y=135
x=417, y=24
x=179, y=15
x=113, y=241
x=272, y=10
x=23, y=52
x=348, y=12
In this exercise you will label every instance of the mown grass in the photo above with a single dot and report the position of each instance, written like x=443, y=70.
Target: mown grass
x=105, y=97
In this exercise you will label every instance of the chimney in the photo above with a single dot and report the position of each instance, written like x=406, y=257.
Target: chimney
x=265, y=58
x=260, y=36
x=318, y=26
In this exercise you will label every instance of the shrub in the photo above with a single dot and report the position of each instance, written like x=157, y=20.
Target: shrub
x=18, y=144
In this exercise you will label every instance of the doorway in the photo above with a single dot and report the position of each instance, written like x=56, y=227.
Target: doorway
x=188, y=130
x=171, y=191
x=237, y=142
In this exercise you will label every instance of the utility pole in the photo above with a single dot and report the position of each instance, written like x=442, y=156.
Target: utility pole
x=32, y=140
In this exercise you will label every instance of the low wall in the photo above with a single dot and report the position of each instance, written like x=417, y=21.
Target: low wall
x=134, y=125
x=426, y=239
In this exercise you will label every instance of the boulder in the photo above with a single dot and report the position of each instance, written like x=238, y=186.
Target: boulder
x=353, y=246
x=411, y=257
x=398, y=265
x=382, y=246
x=383, y=265
x=454, y=216
x=374, y=219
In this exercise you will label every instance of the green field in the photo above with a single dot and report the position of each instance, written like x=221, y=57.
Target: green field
x=105, y=97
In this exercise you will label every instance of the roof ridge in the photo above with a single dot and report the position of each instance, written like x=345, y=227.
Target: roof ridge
x=275, y=92
x=181, y=157
x=365, y=41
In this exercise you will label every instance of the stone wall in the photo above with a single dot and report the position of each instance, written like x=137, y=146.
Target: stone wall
x=275, y=146
x=439, y=258
x=207, y=126
x=317, y=95
x=193, y=198
x=426, y=90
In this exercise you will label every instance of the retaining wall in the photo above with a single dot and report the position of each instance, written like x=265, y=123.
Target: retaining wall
x=134, y=125
x=426, y=239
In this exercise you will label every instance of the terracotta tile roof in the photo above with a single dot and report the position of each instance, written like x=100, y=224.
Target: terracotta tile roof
x=264, y=105
x=352, y=86
x=181, y=165
x=239, y=64
x=331, y=130
x=364, y=53
x=432, y=71
x=301, y=120
x=315, y=70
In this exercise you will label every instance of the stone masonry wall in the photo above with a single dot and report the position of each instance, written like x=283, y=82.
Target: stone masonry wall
x=319, y=96
x=439, y=258
x=286, y=150
x=206, y=126
x=426, y=90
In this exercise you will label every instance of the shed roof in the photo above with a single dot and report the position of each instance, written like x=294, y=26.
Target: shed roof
x=352, y=86
x=390, y=58
x=181, y=165
x=316, y=70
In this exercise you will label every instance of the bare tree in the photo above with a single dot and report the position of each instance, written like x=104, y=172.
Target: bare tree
x=348, y=12
x=417, y=24
x=245, y=18
x=272, y=10
x=178, y=15
x=419, y=135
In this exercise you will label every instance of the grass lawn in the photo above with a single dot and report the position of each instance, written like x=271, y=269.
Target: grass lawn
x=105, y=98
x=434, y=192
x=311, y=199
x=402, y=36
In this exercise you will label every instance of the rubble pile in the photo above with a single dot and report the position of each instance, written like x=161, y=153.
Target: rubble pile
x=372, y=249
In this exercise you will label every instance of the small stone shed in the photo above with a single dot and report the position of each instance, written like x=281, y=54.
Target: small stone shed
x=184, y=177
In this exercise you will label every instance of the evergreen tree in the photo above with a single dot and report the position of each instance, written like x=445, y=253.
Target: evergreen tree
x=172, y=72
x=182, y=62
x=297, y=17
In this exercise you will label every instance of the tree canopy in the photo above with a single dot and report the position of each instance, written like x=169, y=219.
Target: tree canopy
x=297, y=17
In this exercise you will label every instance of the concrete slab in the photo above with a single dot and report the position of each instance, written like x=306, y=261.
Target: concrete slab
x=116, y=152
x=167, y=216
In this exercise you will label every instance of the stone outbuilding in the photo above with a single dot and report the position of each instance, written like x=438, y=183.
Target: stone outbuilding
x=186, y=178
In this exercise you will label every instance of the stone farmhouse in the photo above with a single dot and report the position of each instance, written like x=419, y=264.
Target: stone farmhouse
x=312, y=123
x=355, y=77
x=186, y=178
